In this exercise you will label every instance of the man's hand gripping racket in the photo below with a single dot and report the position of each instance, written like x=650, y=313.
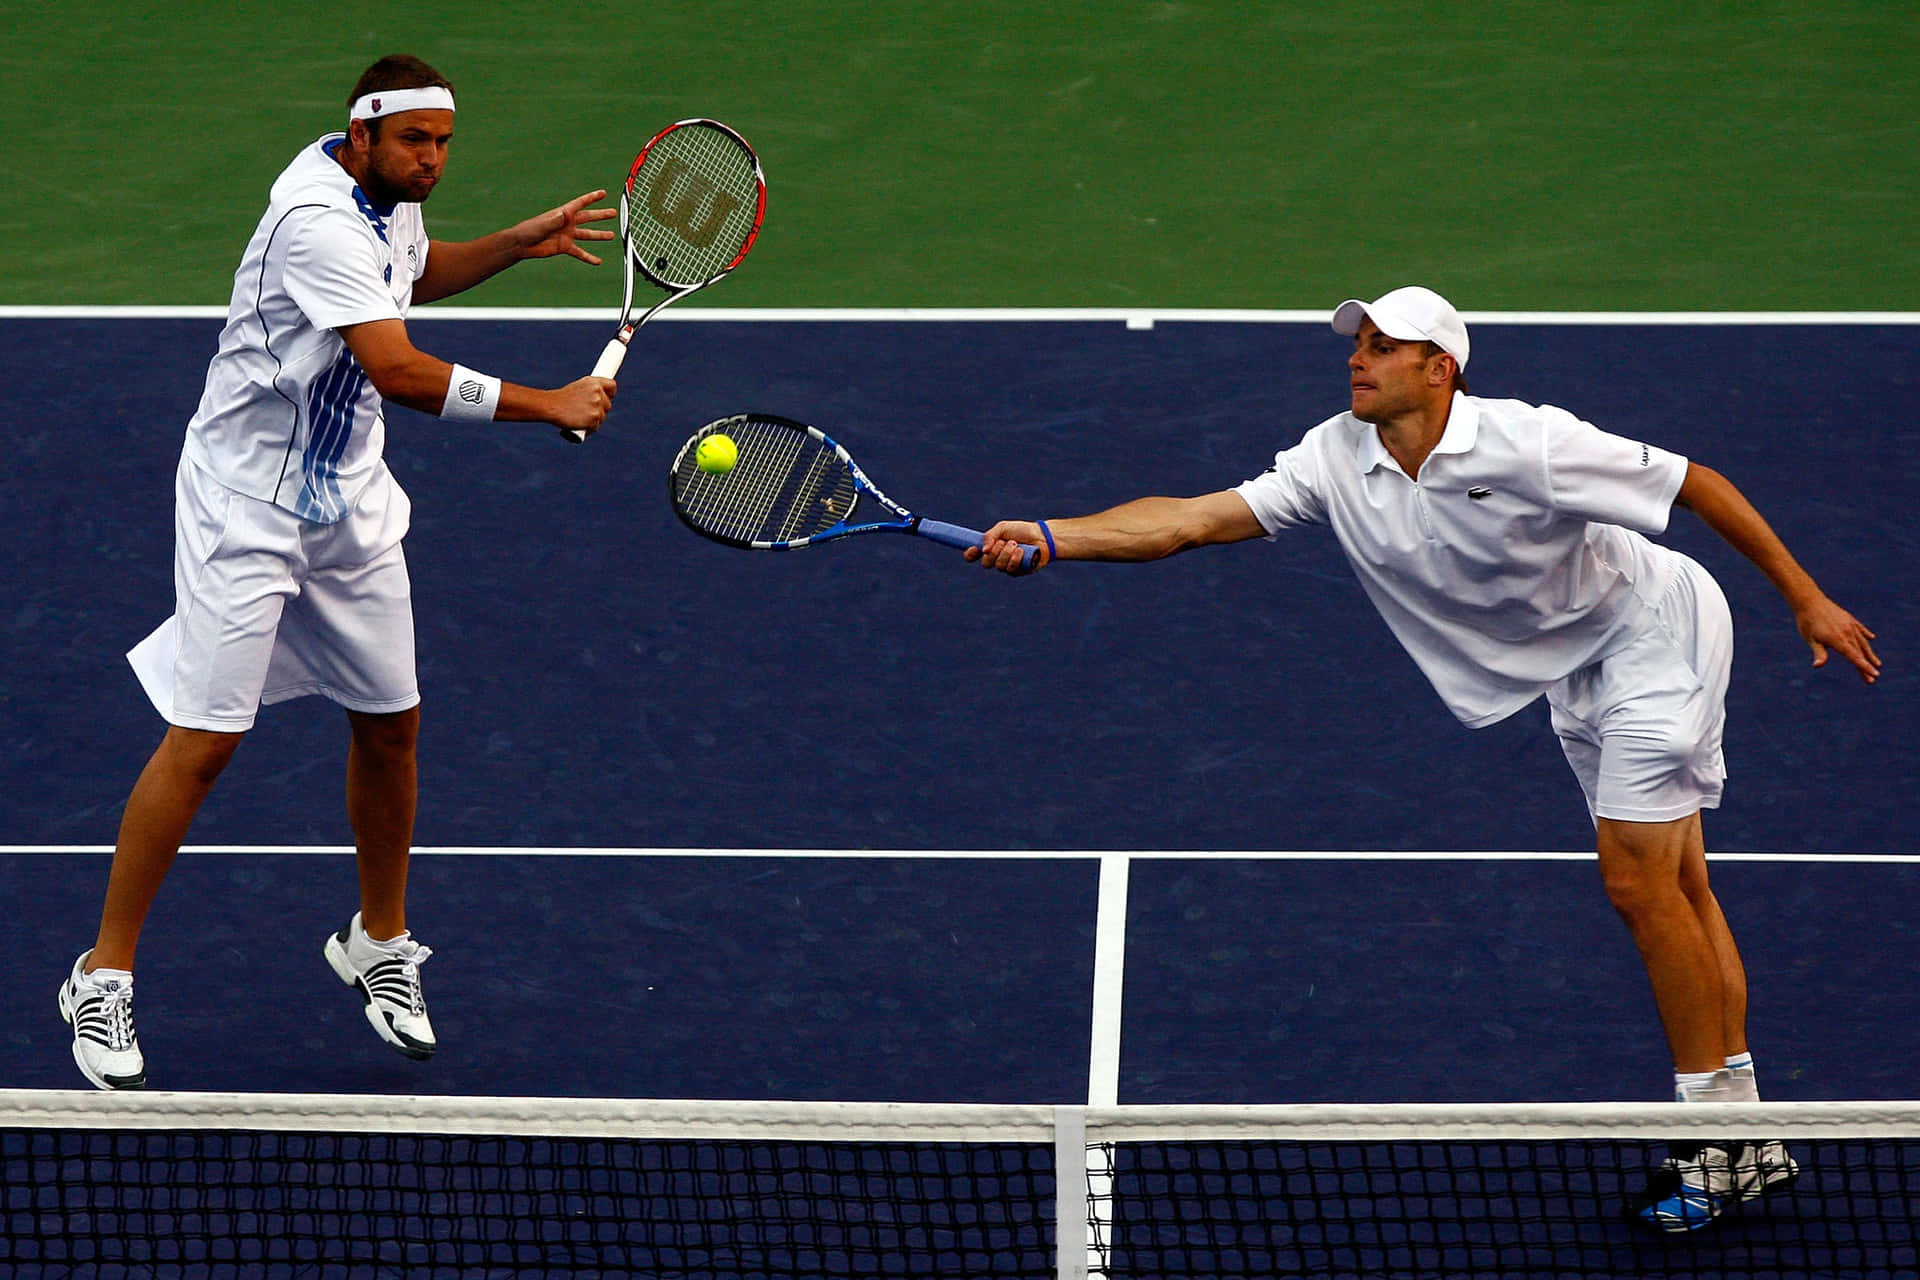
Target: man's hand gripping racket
x=690, y=211
x=790, y=486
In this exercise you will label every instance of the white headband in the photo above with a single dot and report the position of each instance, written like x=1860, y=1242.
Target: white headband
x=390, y=101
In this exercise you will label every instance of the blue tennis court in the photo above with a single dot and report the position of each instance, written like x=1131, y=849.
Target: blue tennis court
x=598, y=679
x=846, y=825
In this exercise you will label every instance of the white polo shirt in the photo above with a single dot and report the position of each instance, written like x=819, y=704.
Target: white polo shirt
x=1512, y=561
x=287, y=415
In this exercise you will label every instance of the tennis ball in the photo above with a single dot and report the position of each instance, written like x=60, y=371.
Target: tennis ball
x=717, y=454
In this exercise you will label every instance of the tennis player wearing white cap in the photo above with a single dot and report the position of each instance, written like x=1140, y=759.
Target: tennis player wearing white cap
x=1505, y=544
x=288, y=569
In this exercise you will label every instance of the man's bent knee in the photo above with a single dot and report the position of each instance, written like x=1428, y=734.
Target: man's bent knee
x=1642, y=864
x=392, y=733
x=199, y=753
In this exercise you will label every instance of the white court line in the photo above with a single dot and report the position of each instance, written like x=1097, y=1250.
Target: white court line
x=1110, y=915
x=996, y=855
x=1132, y=317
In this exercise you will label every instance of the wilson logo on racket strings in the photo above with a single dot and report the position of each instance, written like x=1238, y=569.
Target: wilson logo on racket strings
x=677, y=205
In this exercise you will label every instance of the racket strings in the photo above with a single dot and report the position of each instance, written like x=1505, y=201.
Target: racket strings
x=693, y=205
x=784, y=486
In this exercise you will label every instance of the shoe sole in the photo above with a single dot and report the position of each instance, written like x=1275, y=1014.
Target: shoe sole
x=112, y=1084
x=1697, y=1218
x=336, y=954
x=1687, y=1223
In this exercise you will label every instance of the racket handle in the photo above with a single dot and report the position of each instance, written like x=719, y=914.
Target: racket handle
x=953, y=535
x=605, y=367
x=610, y=357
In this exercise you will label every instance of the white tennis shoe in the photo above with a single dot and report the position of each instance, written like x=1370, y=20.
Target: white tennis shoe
x=387, y=975
x=99, y=1007
x=1763, y=1168
x=1688, y=1191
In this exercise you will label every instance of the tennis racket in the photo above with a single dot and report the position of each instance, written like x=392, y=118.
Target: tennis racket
x=791, y=486
x=690, y=211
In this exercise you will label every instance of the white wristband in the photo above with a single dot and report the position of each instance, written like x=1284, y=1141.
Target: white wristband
x=471, y=396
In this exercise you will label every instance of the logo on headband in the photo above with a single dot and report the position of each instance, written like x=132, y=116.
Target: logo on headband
x=376, y=106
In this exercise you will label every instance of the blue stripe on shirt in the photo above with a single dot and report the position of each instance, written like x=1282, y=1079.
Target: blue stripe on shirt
x=332, y=408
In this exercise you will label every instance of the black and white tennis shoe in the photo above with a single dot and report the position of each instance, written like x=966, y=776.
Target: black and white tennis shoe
x=387, y=975
x=99, y=1007
x=1695, y=1186
x=1763, y=1169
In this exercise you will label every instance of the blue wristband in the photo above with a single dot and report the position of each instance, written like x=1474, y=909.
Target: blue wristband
x=1052, y=552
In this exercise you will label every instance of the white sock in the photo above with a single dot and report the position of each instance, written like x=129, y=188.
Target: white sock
x=402, y=946
x=1746, y=1081
x=1703, y=1086
x=399, y=945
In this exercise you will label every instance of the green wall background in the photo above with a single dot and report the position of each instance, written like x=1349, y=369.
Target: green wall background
x=1518, y=156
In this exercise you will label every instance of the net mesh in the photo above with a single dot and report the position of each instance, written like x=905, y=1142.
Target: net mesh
x=287, y=1185
x=274, y=1204
x=1500, y=1208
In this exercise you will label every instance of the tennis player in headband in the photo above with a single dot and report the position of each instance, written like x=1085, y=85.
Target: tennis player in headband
x=1506, y=547
x=288, y=570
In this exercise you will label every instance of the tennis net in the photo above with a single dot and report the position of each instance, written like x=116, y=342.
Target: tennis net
x=266, y=1185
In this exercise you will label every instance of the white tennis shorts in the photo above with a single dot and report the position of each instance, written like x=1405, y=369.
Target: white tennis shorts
x=270, y=607
x=1642, y=727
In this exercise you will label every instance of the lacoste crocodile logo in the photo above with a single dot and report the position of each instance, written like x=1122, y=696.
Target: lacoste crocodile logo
x=1479, y=491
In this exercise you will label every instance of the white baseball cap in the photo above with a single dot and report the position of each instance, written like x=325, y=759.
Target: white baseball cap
x=1408, y=313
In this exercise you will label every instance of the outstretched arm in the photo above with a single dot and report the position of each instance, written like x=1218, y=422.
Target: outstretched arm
x=403, y=373
x=1823, y=624
x=1145, y=529
x=456, y=266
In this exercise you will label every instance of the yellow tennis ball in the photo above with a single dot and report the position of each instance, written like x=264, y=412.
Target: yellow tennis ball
x=717, y=454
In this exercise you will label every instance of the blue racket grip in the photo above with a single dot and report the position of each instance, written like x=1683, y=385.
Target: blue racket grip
x=953, y=535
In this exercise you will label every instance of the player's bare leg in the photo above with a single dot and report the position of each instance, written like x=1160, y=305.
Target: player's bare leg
x=383, y=783
x=1655, y=876
x=375, y=954
x=1700, y=986
x=160, y=809
x=1733, y=973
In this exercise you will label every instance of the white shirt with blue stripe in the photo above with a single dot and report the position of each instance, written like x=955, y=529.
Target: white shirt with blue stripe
x=287, y=414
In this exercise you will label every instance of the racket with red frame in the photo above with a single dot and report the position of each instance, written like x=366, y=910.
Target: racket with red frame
x=689, y=213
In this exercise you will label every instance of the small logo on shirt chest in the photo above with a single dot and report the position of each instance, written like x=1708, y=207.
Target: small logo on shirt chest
x=1479, y=491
